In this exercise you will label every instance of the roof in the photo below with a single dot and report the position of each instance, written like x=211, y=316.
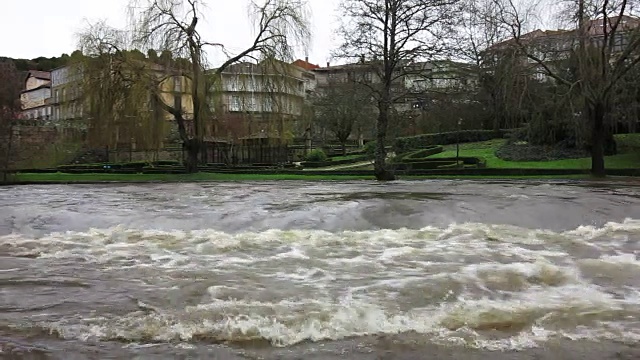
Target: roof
x=305, y=64
x=594, y=28
x=43, y=86
x=44, y=75
x=357, y=65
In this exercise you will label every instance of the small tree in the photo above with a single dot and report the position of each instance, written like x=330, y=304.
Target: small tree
x=10, y=106
x=342, y=107
x=392, y=34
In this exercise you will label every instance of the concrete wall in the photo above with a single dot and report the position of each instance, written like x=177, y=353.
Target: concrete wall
x=38, y=146
x=33, y=83
x=35, y=98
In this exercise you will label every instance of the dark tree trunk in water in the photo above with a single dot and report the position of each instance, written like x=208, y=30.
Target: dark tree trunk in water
x=379, y=168
x=596, y=116
x=192, y=150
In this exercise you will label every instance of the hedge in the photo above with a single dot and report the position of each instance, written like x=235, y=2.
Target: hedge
x=319, y=164
x=421, y=155
x=406, y=144
x=440, y=163
x=128, y=165
x=429, y=165
x=468, y=160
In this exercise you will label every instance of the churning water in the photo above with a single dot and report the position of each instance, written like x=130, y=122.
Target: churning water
x=267, y=266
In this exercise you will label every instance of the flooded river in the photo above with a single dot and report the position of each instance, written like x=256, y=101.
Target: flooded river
x=322, y=270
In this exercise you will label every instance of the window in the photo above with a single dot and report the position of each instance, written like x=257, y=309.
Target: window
x=234, y=84
x=57, y=95
x=267, y=105
x=177, y=84
x=57, y=117
x=251, y=104
x=235, y=103
x=64, y=94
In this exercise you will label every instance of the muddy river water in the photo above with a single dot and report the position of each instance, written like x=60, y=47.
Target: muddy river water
x=321, y=270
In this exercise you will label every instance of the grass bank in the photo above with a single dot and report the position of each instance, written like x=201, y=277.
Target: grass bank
x=629, y=158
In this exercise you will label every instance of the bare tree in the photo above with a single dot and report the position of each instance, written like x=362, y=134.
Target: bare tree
x=501, y=80
x=605, y=46
x=391, y=34
x=342, y=107
x=171, y=28
x=10, y=87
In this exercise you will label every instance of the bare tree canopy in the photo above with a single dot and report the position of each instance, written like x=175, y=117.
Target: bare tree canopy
x=389, y=35
x=342, y=108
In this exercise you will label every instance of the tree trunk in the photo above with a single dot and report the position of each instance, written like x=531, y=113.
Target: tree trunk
x=596, y=116
x=344, y=148
x=379, y=167
x=7, y=160
x=192, y=150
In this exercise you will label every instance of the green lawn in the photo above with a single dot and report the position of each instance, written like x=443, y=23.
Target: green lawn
x=630, y=158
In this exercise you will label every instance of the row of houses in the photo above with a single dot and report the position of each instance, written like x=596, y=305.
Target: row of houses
x=252, y=99
x=274, y=98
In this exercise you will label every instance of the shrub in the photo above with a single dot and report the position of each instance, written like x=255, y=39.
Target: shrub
x=316, y=155
x=406, y=144
x=370, y=149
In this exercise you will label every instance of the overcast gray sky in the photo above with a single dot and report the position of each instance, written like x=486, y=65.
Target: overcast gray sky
x=32, y=28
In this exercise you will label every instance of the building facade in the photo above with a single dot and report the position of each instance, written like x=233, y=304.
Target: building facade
x=34, y=97
x=263, y=100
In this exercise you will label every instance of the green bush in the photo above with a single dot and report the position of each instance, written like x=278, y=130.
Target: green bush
x=370, y=149
x=406, y=144
x=316, y=155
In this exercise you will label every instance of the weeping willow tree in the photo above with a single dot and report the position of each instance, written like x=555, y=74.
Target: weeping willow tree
x=118, y=88
x=172, y=26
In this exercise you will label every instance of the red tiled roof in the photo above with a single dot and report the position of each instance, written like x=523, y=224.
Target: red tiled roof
x=305, y=64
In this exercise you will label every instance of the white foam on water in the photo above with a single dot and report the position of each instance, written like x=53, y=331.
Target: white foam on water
x=476, y=279
x=291, y=322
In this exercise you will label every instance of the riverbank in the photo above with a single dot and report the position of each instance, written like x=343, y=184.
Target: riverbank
x=92, y=178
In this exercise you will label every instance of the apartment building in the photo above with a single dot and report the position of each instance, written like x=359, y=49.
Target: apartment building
x=262, y=100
